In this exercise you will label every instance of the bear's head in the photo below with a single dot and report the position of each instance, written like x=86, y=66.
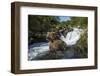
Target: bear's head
x=51, y=36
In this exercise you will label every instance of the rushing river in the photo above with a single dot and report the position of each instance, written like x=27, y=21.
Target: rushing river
x=38, y=50
x=41, y=49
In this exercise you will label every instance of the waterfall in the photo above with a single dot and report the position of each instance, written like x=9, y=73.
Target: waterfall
x=72, y=37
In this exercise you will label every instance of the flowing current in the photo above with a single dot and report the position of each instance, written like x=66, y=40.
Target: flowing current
x=39, y=49
x=72, y=37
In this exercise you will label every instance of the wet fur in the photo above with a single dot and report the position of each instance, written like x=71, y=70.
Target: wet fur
x=55, y=43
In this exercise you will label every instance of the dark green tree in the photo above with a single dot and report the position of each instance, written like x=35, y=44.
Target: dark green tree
x=79, y=21
x=39, y=25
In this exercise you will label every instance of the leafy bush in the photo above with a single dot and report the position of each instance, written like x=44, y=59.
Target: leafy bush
x=82, y=44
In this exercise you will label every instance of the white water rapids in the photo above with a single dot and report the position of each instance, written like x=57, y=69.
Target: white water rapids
x=72, y=37
x=42, y=48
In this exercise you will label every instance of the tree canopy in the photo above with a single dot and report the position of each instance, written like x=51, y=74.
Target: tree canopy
x=42, y=23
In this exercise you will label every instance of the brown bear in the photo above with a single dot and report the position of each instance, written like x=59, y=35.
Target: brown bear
x=56, y=45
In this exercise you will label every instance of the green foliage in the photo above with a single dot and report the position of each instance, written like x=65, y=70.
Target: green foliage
x=82, y=44
x=42, y=23
x=82, y=22
x=39, y=25
x=79, y=21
